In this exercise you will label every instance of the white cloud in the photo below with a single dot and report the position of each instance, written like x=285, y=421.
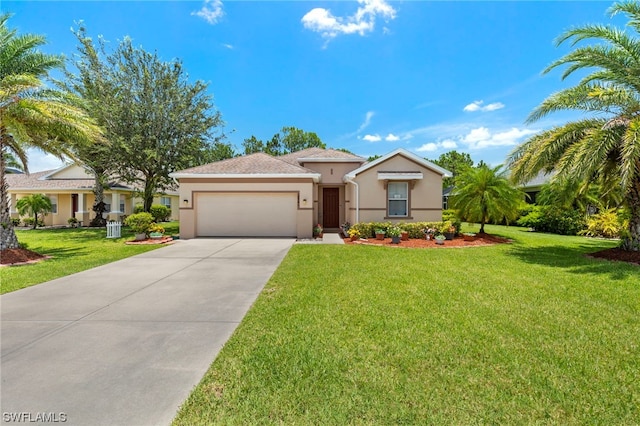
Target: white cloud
x=477, y=106
x=211, y=11
x=39, y=161
x=391, y=138
x=482, y=137
x=228, y=46
x=329, y=26
x=428, y=147
x=367, y=120
x=372, y=138
x=449, y=144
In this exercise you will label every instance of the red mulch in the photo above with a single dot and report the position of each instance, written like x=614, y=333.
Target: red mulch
x=163, y=240
x=19, y=256
x=619, y=255
x=480, y=240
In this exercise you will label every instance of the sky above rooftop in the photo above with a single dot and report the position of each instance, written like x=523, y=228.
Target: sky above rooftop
x=369, y=75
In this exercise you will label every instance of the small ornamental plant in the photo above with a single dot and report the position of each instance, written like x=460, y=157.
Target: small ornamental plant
x=354, y=233
x=317, y=230
x=439, y=237
x=394, y=231
x=380, y=231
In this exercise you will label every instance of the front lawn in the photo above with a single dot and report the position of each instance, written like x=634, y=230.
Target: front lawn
x=72, y=250
x=530, y=332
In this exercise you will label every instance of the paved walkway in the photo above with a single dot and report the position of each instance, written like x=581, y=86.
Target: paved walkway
x=125, y=343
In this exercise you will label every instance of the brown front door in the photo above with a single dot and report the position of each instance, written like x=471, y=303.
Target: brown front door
x=330, y=207
x=74, y=205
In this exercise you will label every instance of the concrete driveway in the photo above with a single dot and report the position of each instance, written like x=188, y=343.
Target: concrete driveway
x=125, y=343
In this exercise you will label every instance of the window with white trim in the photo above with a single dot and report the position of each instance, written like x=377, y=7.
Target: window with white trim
x=398, y=199
x=166, y=201
x=54, y=203
x=122, y=204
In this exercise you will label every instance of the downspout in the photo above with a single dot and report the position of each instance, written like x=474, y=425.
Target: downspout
x=349, y=179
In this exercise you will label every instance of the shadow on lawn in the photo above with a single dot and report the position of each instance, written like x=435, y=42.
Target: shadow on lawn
x=575, y=259
x=60, y=253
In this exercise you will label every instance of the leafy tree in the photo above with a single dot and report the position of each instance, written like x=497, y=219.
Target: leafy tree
x=11, y=162
x=34, y=204
x=96, y=90
x=252, y=145
x=289, y=139
x=33, y=115
x=579, y=195
x=603, y=147
x=483, y=194
x=217, y=151
x=373, y=158
x=454, y=161
x=156, y=120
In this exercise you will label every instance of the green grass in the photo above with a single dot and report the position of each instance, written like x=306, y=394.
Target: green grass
x=72, y=250
x=530, y=332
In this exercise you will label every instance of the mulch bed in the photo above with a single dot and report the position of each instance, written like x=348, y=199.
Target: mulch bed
x=163, y=240
x=619, y=255
x=480, y=240
x=20, y=257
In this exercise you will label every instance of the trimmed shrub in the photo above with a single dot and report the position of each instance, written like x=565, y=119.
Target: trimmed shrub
x=414, y=229
x=16, y=221
x=160, y=213
x=140, y=223
x=554, y=220
x=138, y=208
x=28, y=221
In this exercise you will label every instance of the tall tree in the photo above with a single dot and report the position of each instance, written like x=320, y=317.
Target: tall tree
x=289, y=139
x=156, y=120
x=33, y=115
x=454, y=161
x=91, y=83
x=252, y=145
x=603, y=147
x=34, y=204
x=483, y=194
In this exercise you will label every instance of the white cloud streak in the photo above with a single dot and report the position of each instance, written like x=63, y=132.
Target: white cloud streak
x=372, y=138
x=477, y=106
x=482, y=137
x=391, y=138
x=211, y=11
x=367, y=120
x=363, y=21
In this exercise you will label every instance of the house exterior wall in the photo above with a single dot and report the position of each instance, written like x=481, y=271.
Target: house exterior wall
x=332, y=173
x=425, y=198
x=190, y=187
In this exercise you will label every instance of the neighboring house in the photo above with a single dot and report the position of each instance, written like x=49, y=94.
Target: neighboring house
x=533, y=187
x=70, y=189
x=262, y=196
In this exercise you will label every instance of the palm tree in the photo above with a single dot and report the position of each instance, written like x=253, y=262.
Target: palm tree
x=483, y=194
x=31, y=114
x=34, y=204
x=604, y=146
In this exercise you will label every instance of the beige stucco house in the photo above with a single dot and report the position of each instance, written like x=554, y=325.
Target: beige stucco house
x=70, y=190
x=262, y=196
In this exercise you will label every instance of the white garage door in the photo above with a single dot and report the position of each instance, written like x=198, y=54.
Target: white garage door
x=255, y=214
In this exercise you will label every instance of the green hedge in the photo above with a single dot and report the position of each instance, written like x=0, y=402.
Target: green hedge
x=415, y=229
x=554, y=220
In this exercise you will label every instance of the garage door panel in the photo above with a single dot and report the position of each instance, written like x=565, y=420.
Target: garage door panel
x=246, y=214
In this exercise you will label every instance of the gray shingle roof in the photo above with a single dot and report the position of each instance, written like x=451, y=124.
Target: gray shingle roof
x=320, y=154
x=34, y=181
x=258, y=163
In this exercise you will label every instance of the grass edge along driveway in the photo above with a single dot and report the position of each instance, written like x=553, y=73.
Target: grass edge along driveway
x=72, y=250
x=531, y=332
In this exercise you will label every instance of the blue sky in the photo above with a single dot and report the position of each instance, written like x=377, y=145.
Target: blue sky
x=369, y=76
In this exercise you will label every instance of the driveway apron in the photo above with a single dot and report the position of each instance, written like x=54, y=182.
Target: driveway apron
x=125, y=343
